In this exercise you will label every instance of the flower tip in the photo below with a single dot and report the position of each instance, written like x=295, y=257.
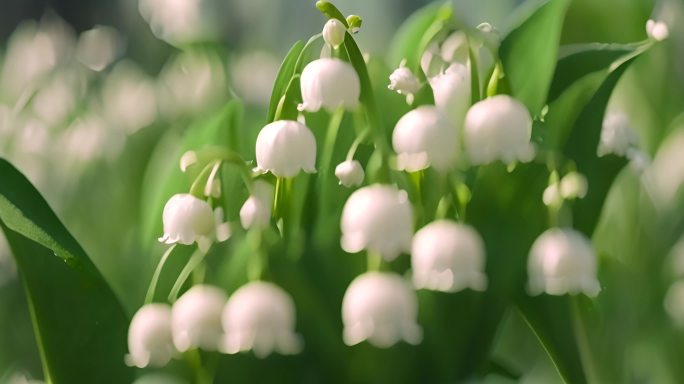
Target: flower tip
x=189, y=158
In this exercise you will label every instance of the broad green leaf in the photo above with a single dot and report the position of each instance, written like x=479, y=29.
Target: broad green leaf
x=406, y=43
x=79, y=323
x=285, y=73
x=528, y=54
x=578, y=60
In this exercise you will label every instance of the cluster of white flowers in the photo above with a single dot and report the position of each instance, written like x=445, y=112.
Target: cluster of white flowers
x=259, y=316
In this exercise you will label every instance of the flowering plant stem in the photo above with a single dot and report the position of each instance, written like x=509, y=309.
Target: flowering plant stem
x=157, y=272
x=374, y=260
x=194, y=261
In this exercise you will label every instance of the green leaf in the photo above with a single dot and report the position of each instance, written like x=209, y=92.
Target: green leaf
x=285, y=73
x=406, y=43
x=578, y=60
x=528, y=54
x=79, y=323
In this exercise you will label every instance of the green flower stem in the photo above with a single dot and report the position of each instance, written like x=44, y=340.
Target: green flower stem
x=330, y=139
x=583, y=341
x=416, y=179
x=198, y=187
x=355, y=145
x=211, y=155
x=462, y=195
x=194, y=261
x=474, y=76
x=258, y=263
x=374, y=260
x=194, y=360
x=157, y=272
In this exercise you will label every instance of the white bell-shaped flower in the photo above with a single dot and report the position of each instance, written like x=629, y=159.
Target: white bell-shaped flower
x=256, y=211
x=329, y=83
x=617, y=135
x=449, y=257
x=451, y=91
x=149, y=337
x=334, y=32
x=404, y=82
x=381, y=308
x=562, y=261
x=349, y=173
x=196, y=318
x=425, y=137
x=572, y=186
x=498, y=128
x=285, y=147
x=186, y=220
x=377, y=218
x=260, y=316
x=657, y=30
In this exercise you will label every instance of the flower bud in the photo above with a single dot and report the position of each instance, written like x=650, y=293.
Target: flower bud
x=451, y=91
x=349, y=173
x=377, y=218
x=334, y=32
x=381, y=308
x=498, y=128
x=617, y=135
x=573, y=185
x=196, y=318
x=256, y=211
x=186, y=220
x=260, y=316
x=285, y=147
x=448, y=257
x=657, y=30
x=424, y=137
x=404, y=82
x=149, y=337
x=330, y=84
x=562, y=261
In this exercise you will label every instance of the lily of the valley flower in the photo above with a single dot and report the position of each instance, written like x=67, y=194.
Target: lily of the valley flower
x=617, y=135
x=285, y=147
x=349, y=173
x=377, y=218
x=657, y=30
x=196, y=318
x=572, y=186
x=498, y=128
x=381, y=308
x=561, y=261
x=188, y=219
x=404, y=82
x=149, y=337
x=451, y=91
x=329, y=83
x=256, y=211
x=449, y=257
x=334, y=32
x=260, y=317
x=424, y=137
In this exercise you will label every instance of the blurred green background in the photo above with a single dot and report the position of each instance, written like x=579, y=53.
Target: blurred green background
x=104, y=110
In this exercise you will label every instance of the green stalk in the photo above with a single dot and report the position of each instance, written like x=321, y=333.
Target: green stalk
x=157, y=272
x=194, y=261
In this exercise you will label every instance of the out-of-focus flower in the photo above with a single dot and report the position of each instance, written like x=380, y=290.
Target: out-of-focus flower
x=33, y=50
x=128, y=98
x=425, y=137
x=381, y=308
x=260, y=316
x=334, y=32
x=562, y=261
x=186, y=219
x=349, y=173
x=674, y=303
x=56, y=100
x=657, y=30
x=99, y=47
x=377, y=218
x=330, y=84
x=404, y=82
x=454, y=49
x=191, y=82
x=572, y=186
x=149, y=337
x=256, y=211
x=177, y=21
x=196, y=318
x=498, y=128
x=449, y=257
x=253, y=75
x=617, y=135
x=285, y=147
x=451, y=91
